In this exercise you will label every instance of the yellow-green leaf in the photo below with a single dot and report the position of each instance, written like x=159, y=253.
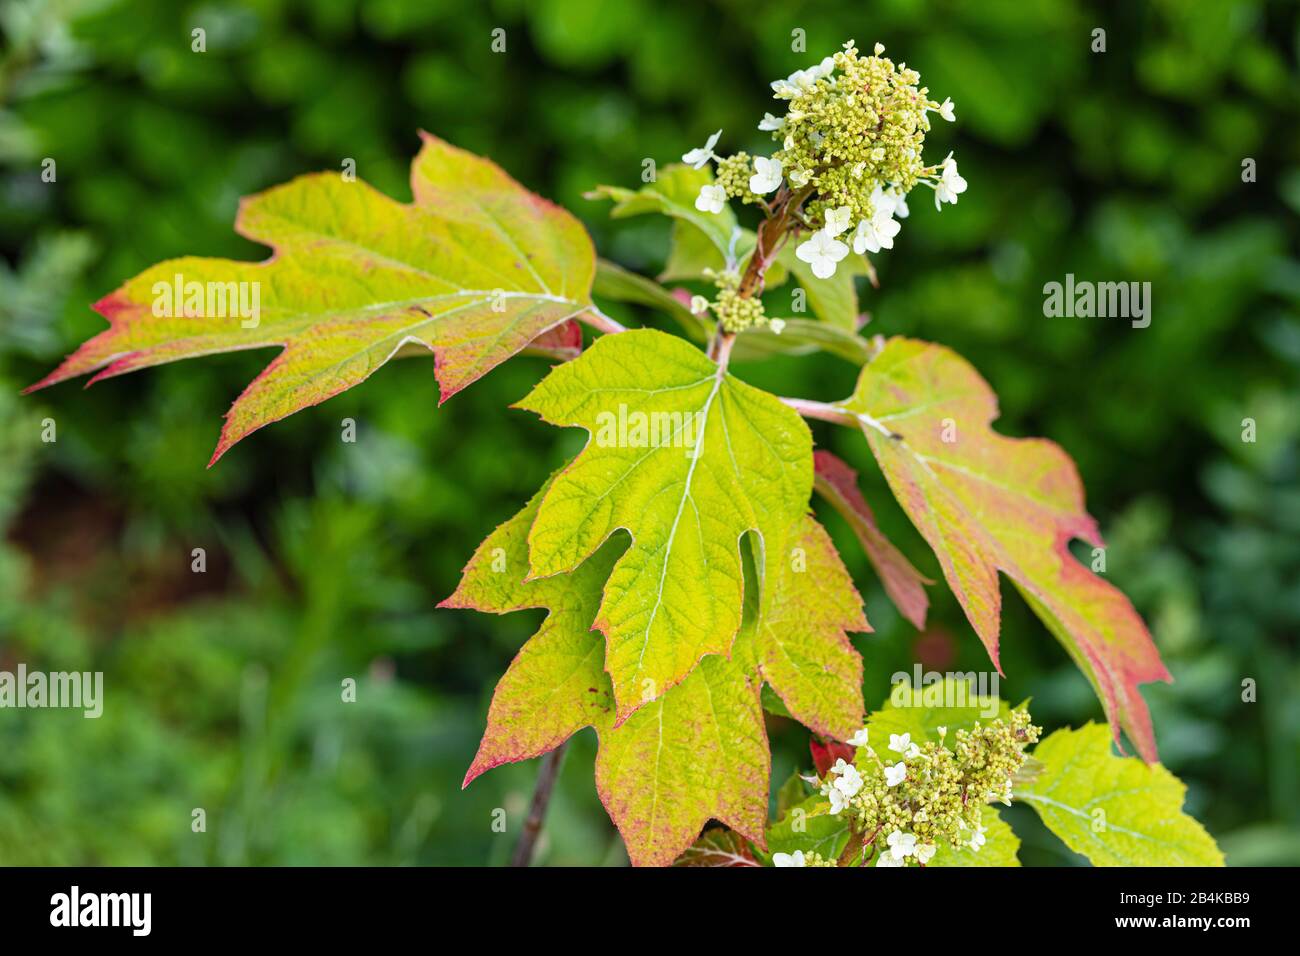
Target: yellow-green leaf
x=475, y=269
x=687, y=459
x=987, y=503
x=1116, y=811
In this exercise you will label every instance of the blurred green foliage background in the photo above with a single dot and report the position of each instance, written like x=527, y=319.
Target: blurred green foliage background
x=325, y=559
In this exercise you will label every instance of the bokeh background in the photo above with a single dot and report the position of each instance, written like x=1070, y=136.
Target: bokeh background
x=325, y=559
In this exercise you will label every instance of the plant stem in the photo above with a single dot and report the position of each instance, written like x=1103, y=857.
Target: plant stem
x=720, y=348
x=546, y=778
x=856, y=846
x=822, y=411
x=600, y=321
x=772, y=233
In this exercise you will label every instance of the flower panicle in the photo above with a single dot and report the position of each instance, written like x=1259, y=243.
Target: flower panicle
x=850, y=151
x=922, y=797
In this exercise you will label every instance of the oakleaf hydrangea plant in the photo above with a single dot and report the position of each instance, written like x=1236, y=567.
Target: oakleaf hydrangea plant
x=688, y=587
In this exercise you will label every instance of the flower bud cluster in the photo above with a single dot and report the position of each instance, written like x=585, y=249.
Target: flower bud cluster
x=733, y=311
x=924, y=797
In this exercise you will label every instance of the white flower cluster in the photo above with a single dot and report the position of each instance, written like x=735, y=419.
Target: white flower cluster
x=852, y=130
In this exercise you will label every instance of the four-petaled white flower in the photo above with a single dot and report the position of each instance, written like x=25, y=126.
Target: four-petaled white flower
x=876, y=233
x=945, y=110
x=951, y=184
x=837, y=220
x=801, y=80
x=900, y=202
x=776, y=325
x=799, y=177
x=699, y=305
x=925, y=852
x=788, y=859
x=899, y=743
x=859, y=738
x=771, y=124
x=977, y=840
x=701, y=155
x=896, y=774
x=712, y=198
x=901, y=844
x=893, y=200
x=847, y=779
x=822, y=252
x=887, y=859
x=837, y=798
x=767, y=175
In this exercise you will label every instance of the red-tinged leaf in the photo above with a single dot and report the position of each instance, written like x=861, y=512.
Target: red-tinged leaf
x=718, y=847
x=474, y=270
x=987, y=503
x=563, y=343
x=699, y=751
x=838, y=484
x=826, y=752
x=556, y=685
x=798, y=635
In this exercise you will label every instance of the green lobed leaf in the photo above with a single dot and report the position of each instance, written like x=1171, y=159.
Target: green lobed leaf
x=1116, y=811
x=474, y=270
x=730, y=459
x=698, y=752
x=556, y=685
x=987, y=503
